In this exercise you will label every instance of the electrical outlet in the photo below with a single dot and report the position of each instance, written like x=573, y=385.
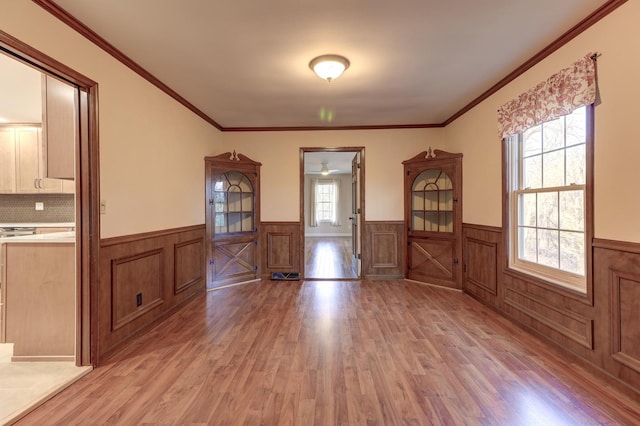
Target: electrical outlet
x=39, y=206
x=139, y=299
x=103, y=207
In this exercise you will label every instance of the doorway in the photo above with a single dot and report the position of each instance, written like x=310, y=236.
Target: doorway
x=331, y=212
x=77, y=191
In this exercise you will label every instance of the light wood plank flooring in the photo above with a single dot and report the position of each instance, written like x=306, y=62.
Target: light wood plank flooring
x=327, y=353
x=329, y=258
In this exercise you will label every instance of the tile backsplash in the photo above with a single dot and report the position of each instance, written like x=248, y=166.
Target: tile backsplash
x=20, y=208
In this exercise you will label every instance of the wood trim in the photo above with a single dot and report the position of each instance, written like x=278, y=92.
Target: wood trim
x=381, y=260
x=628, y=247
x=569, y=35
x=320, y=128
x=124, y=239
x=178, y=286
x=355, y=150
x=156, y=252
x=482, y=227
x=269, y=252
x=87, y=180
x=493, y=265
x=585, y=340
x=90, y=35
x=565, y=38
x=617, y=348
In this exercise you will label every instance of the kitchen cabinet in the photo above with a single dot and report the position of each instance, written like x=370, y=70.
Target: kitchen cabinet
x=23, y=158
x=433, y=217
x=233, y=214
x=38, y=295
x=8, y=160
x=59, y=127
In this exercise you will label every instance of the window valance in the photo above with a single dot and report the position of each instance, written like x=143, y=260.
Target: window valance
x=566, y=90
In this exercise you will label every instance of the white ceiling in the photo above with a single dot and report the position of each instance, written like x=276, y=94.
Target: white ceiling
x=245, y=63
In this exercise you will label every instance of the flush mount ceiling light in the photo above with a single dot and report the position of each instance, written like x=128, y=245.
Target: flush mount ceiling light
x=329, y=67
x=324, y=170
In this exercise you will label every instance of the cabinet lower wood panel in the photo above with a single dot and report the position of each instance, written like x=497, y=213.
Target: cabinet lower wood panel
x=143, y=279
x=39, y=300
x=432, y=260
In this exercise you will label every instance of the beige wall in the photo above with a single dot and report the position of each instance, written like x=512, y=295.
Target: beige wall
x=151, y=147
x=617, y=136
x=279, y=153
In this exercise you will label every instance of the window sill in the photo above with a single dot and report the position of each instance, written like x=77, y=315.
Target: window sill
x=563, y=289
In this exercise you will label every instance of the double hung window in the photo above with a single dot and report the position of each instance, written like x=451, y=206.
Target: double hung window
x=548, y=192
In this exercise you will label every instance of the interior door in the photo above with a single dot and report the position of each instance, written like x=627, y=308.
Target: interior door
x=356, y=211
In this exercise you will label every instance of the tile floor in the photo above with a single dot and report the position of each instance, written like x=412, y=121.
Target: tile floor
x=24, y=385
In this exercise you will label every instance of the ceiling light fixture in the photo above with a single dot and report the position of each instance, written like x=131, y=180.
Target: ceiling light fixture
x=329, y=67
x=324, y=170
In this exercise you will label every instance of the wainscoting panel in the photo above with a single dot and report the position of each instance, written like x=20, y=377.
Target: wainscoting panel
x=383, y=250
x=603, y=329
x=143, y=279
x=188, y=260
x=131, y=302
x=281, y=251
x=482, y=248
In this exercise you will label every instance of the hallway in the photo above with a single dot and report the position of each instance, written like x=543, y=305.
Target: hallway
x=329, y=258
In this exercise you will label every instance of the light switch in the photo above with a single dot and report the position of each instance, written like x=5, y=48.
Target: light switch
x=39, y=206
x=103, y=207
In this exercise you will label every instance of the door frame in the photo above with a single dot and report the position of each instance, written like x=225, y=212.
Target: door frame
x=87, y=194
x=355, y=150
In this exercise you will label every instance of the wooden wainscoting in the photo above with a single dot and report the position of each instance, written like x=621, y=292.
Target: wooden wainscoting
x=143, y=278
x=383, y=253
x=602, y=329
x=280, y=247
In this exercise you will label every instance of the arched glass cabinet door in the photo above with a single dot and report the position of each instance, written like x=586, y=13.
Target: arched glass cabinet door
x=234, y=203
x=432, y=202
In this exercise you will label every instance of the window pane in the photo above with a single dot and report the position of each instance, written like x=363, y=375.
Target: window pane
x=553, y=134
x=572, y=252
x=528, y=247
x=548, y=252
x=532, y=141
x=572, y=210
x=527, y=216
x=575, y=165
x=548, y=210
x=576, y=127
x=553, y=169
x=532, y=172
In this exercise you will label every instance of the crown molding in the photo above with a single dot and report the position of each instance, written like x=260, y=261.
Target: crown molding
x=51, y=7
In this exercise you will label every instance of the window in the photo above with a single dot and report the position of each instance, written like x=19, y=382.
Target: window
x=548, y=175
x=326, y=198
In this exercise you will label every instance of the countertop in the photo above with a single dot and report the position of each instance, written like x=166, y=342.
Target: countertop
x=54, y=237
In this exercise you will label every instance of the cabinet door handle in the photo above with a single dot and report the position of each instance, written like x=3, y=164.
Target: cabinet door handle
x=39, y=183
x=35, y=183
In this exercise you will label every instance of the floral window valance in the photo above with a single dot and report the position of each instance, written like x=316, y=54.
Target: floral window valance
x=560, y=94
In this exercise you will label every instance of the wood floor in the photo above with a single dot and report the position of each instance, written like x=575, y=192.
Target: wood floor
x=329, y=258
x=349, y=353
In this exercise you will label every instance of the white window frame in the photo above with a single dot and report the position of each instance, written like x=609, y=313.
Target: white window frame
x=514, y=169
x=332, y=202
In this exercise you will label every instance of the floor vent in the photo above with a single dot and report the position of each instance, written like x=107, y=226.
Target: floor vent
x=285, y=276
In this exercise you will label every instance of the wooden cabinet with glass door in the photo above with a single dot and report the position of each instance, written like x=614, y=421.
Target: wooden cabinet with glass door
x=233, y=200
x=433, y=217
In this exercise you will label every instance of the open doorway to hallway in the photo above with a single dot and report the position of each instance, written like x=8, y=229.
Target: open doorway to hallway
x=331, y=212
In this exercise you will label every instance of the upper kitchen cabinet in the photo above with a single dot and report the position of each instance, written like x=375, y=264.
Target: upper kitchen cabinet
x=22, y=156
x=59, y=127
x=7, y=159
x=30, y=162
